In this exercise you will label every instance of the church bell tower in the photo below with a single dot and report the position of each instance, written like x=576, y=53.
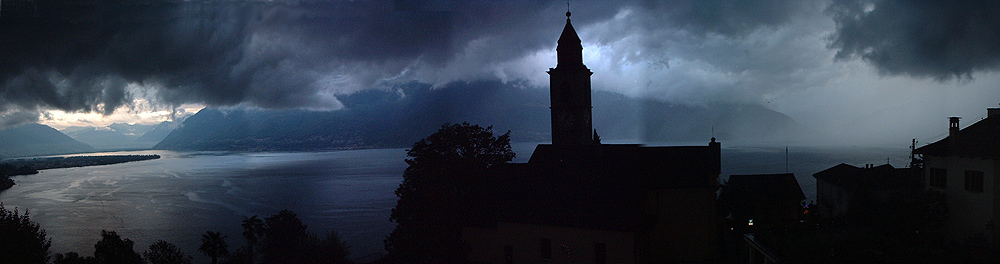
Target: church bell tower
x=569, y=91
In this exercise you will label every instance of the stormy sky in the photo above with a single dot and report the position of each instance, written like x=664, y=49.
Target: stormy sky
x=868, y=71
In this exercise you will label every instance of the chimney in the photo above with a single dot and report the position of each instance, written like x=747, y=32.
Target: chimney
x=953, y=125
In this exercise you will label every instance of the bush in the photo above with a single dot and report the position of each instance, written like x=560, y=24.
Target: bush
x=112, y=249
x=21, y=240
x=163, y=252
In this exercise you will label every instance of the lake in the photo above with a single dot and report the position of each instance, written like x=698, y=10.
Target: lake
x=183, y=194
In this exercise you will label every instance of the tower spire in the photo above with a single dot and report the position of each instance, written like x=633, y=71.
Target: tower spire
x=569, y=90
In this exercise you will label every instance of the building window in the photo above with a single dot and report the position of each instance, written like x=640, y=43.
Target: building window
x=938, y=177
x=974, y=181
x=546, y=248
x=600, y=253
x=508, y=254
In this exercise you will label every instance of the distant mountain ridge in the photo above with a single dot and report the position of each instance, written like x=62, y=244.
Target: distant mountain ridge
x=121, y=135
x=400, y=117
x=36, y=140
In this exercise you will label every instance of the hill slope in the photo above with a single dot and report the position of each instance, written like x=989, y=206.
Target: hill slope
x=37, y=139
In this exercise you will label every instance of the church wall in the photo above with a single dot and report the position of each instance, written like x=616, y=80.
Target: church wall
x=568, y=244
x=686, y=227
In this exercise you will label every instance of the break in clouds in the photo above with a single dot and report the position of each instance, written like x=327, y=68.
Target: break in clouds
x=101, y=56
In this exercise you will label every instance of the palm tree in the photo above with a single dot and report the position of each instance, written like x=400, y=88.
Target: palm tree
x=213, y=244
x=253, y=230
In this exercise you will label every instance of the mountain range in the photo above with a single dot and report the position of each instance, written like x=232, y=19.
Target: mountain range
x=399, y=117
x=121, y=136
x=35, y=140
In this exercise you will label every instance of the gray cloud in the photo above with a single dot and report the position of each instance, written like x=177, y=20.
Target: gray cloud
x=81, y=55
x=730, y=18
x=938, y=39
x=303, y=54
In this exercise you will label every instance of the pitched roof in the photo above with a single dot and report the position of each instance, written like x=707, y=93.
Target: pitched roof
x=569, y=36
x=884, y=177
x=766, y=187
x=980, y=140
x=596, y=186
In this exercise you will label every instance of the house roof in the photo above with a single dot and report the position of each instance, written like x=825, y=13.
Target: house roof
x=980, y=140
x=595, y=186
x=883, y=177
x=766, y=187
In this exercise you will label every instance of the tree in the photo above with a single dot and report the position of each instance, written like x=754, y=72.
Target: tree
x=163, y=252
x=21, y=240
x=253, y=230
x=436, y=192
x=213, y=245
x=328, y=250
x=72, y=258
x=112, y=249
x=285, y=238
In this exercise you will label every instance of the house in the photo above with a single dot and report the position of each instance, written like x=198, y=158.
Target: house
x=763, y=200
x=964, y=166
x=579, y=201
x=842, y=188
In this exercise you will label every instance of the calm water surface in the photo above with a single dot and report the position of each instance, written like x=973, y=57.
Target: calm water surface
x=183, y=194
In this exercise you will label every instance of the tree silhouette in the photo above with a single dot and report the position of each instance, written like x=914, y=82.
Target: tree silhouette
x=253, y=230
x=163, y=252
x=285, y=238
x=21, y=240
x=112, y=249
x=435, y=194
x=72, y=258
x=213, y=245
x=328, y=250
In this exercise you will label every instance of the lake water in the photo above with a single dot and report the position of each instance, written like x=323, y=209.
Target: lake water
x=183, y=194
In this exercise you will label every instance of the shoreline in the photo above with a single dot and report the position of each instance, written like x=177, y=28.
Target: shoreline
x=31, y=166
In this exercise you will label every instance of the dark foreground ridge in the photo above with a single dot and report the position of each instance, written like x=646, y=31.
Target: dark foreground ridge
x=33, y=165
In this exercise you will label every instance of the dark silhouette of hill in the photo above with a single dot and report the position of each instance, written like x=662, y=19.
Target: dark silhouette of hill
x=399, y=117
x=37, y=139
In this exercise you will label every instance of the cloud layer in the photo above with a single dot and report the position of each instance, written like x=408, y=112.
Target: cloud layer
x=937, y=39
x=102, y=56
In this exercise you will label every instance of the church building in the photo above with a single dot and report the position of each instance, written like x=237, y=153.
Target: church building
x=579, y=201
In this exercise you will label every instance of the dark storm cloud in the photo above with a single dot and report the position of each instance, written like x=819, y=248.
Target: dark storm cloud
x=726, y=17
x=92, y=56
x=81, y=56
x=939, y=39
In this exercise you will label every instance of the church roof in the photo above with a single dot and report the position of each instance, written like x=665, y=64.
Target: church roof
x=883, y=177
x=597, y=186
x=569, y=36
x=980, y=140
x=766, y=187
